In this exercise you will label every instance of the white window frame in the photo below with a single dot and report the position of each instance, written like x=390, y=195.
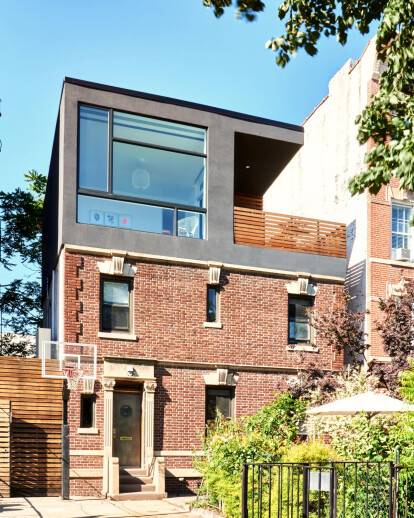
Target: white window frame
x=410, y=231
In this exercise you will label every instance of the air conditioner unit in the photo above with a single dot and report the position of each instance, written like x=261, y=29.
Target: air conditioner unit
x=402, y=254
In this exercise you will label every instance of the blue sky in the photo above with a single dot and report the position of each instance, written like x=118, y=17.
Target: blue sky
x=174, y=48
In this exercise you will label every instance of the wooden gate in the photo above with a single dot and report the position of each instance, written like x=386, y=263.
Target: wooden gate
x=35, y=444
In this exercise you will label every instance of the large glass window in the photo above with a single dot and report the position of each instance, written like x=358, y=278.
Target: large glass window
x=400, y=227
x=155, y=179
x=157, y=174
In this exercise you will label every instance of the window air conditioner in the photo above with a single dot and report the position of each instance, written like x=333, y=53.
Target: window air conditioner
x=402, y=254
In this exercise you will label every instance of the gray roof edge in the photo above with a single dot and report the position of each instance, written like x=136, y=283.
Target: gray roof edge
x=186, y=104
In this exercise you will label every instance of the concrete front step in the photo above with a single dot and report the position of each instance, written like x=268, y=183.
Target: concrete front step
x=150, y=495
x=136, y=488
x=129, y=479
x=133, y=472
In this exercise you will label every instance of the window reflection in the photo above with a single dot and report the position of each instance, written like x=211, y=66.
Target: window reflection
x=160, y=132
x=157, y=174
x=121, y=214
x=93, y=148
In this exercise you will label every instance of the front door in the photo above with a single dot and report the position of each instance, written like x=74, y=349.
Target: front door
x=127, y=428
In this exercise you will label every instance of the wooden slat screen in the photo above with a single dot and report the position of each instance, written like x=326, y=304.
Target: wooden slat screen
x=248, y=201
x=4, y=448
x=291, y=233
x=36, y=404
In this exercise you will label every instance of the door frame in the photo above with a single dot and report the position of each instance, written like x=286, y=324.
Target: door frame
x=134, y=389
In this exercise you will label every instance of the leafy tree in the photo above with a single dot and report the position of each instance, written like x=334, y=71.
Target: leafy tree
x=20, y=300
x=342, y=329
x=387, y=121
x=397, y=332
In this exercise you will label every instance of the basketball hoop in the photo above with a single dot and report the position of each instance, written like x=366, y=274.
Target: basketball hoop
x=72, y=376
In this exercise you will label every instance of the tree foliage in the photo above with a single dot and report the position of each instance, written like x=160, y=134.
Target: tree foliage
x=387, y=121
x=262, y=437
x=20, y=300
x=396, y=329
x=341, y=328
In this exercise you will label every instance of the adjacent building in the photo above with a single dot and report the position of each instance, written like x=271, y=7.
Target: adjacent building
x=158, y=251
x=379, y=238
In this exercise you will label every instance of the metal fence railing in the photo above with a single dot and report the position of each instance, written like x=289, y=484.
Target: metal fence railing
x=332, y=490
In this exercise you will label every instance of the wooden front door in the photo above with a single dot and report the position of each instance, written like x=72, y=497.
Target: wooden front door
x=127, y=428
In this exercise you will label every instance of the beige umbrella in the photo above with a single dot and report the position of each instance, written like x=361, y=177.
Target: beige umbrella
x=369, y=402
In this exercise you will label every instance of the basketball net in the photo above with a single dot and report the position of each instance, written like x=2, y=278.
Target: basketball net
x=72, y=376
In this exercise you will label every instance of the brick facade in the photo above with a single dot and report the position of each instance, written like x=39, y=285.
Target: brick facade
x=169, y=309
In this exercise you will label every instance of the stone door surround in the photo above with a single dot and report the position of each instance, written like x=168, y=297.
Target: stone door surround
x=124, y=369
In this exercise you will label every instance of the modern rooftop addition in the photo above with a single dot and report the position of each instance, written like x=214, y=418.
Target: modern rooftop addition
x=141, y=173
x=154, y=175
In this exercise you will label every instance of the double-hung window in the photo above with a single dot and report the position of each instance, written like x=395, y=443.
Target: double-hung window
x=219, y=400
x=400, y=228
x=115, y=305
x=299, y=320
x=141, y=173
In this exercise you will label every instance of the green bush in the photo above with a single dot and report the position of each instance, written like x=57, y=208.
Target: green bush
x=314, y=452
x=258, y=438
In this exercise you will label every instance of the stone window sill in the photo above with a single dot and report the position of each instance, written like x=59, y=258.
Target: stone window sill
x=215, y=325
x=88, y=431
x=117, y=336
x=302, y=348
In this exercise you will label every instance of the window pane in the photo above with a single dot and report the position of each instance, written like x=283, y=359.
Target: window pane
x=122, y=214
x=298, y=308
x=115, y=317
x=400, y=225
x=156, y=174
x=116, y=293
x=159, y=132
x=190, y=224
x=93, y=148
x=218, y=400
x=211, y=305
x=299, y=331
x=299, y=328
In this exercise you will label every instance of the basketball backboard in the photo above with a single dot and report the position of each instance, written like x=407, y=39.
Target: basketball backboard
x=81, y=357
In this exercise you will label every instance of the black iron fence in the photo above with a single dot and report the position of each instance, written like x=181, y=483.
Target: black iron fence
x=332, y=490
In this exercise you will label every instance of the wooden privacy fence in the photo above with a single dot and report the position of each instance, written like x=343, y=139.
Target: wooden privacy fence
x=291, y=233
x=5, y=416
x=35, y=428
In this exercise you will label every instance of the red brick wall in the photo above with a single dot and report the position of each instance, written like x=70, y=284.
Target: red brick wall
x=169, y=304
x=379, y=274
x=170, y=308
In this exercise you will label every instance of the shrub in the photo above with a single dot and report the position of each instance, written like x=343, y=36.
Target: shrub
x=313, y=452
x=258, y=438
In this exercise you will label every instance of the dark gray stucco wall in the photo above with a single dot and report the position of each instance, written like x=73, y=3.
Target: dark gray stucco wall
x=219, y=245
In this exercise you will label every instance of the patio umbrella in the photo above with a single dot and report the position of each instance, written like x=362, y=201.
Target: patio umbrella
x=369, y=402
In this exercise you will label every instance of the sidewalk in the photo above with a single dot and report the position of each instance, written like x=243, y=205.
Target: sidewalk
x=54, y=507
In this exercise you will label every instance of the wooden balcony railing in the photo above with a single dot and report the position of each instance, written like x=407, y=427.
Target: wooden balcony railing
x=292, y=233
